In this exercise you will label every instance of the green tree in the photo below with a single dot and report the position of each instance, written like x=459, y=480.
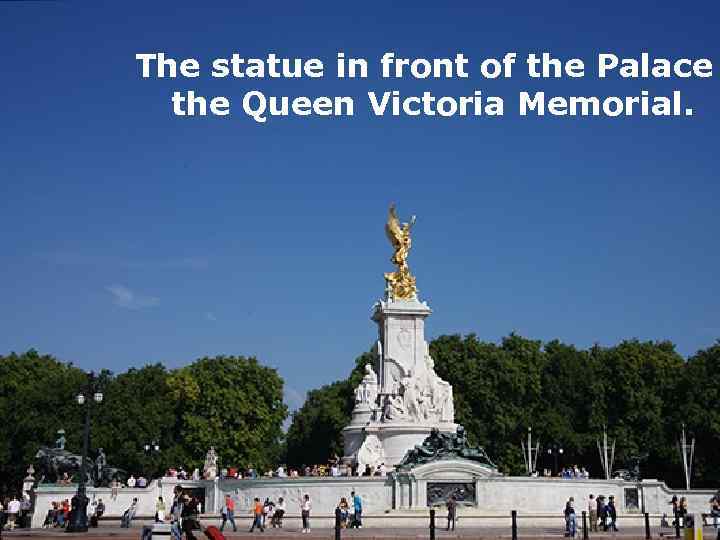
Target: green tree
x=315, y=434
x=699, y=396
x=639, y=383
x=497, y=390
x=138, y=408
x=232, y=403
x=37, y=397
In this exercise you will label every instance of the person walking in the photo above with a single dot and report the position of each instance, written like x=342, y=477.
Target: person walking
x=602, y=514
x=176, y=514
x=674, y=502
x=592, y=512
x=190, y=513
x=305, y=507
x=452, y=509
x=228, y=513
x=257, y=516
x=129, y=515
x=570, y=522
x=612, y=512
x=357, y=508
x=268, y=509
x=682, y=511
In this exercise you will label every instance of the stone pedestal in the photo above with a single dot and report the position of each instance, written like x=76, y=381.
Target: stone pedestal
x=409, y=399
x=431, y=484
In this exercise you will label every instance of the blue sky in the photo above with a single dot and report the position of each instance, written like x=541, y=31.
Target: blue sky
x=132, y=236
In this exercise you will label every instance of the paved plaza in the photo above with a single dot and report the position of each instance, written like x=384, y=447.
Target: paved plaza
x=114, y=531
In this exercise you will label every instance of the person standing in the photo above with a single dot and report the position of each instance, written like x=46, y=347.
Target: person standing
x=715, y=508
x=452, y=509
x=160, y=510
x=13, y=509
x=592, y=512
x=357, y=508
x=344, y=512
x=277, y=518
x=228, y=513
x=305, y=507
x=257, y=516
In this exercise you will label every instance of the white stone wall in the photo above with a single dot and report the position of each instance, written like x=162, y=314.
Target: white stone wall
x=539, y=499
x=325, y=493
x=147, y=497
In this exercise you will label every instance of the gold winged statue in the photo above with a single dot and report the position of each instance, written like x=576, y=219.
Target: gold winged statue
x=401, y=282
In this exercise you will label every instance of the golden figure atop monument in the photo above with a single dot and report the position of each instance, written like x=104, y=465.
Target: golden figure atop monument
x=401, y=282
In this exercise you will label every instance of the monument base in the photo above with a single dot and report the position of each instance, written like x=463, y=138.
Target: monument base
x=396, y=439
x=398, y=500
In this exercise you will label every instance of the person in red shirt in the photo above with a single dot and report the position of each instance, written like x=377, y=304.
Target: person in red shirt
x=228, y=513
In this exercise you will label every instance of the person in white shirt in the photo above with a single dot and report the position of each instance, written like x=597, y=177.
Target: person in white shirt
x=281, y=472
x=334, y=470
x=277, y=516
x=131, y=481
x=13, y=510
x=305, y=506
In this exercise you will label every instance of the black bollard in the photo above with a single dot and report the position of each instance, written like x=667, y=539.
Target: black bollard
x=647, y=526
x=677, y=526
x=337, y=523
x=585, y=527
x=432, y=524
x=514, y=524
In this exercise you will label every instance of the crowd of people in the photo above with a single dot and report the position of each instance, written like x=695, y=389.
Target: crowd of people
x=602, y=514
x=575, y=473
x=15, y=512
x=331, y=469
x=348, y=510
x=680, y=511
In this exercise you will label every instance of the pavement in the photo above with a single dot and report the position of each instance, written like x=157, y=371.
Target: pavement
x=486, y=533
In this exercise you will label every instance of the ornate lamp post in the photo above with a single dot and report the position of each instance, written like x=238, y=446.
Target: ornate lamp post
x=79, y=519
x=555, y=450
x=151, y=449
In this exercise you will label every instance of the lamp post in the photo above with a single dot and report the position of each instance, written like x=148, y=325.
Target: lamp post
x=151, y=449
x=555, y=450
x=530, y=453
x=79, y=519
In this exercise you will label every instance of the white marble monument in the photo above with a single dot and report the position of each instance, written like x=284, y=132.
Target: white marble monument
x=401, y=398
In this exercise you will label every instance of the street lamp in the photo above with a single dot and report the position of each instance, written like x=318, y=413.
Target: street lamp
x=555, y=450
x=151, y=449
x=78, y=517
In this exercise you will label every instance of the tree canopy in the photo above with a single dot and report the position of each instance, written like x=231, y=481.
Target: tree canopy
x=641, y=392
x=231, y=402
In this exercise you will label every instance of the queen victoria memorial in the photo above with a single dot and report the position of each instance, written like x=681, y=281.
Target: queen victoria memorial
x=403, y=422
